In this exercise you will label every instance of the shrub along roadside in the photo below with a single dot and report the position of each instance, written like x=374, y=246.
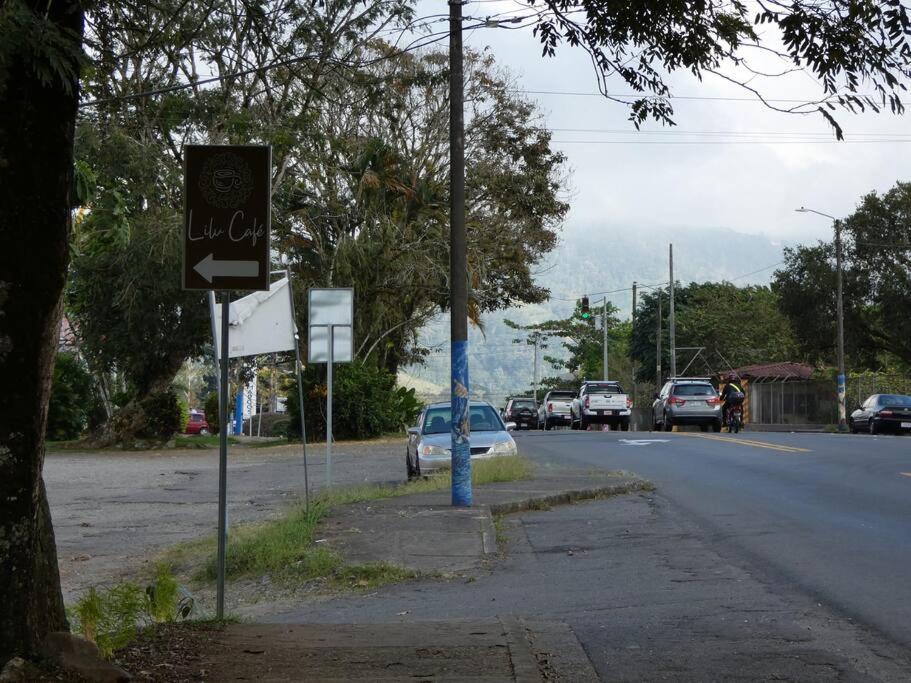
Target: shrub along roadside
x=71, y=398
x=284, y=548
x=389, y=408
x=110, y=619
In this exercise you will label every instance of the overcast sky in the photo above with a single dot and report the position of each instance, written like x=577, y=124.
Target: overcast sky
x=780, y=161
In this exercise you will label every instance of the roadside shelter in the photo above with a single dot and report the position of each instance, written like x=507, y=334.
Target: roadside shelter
x=785, y=394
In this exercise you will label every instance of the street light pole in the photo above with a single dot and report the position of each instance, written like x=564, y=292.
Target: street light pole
x=840, y=382
x=671, y=322
x=458, y=269
x=840, y=315
x=604, y=331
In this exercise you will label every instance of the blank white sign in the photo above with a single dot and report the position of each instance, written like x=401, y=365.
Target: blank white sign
x=332, y=306
x=318, y=345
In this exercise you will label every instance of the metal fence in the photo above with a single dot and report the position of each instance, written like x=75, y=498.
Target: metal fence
x=860, y=386
x=800, y=402
x=814, y=401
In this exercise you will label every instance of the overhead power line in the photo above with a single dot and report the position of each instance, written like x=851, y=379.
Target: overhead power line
x=706, y=98
x=728, y=142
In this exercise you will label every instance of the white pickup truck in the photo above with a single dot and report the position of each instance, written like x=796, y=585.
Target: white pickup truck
x=556, y=408
x=601, y=403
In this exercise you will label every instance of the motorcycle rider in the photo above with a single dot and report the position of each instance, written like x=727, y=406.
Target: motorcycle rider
x=731, y=395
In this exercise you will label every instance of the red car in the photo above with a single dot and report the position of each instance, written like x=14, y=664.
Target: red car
x=197, y=424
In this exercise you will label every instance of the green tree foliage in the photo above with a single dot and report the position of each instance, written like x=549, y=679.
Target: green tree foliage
x=736, y=325
x=360, y=152
x=71, y=398
x=580, y=343
x=876, y=283
x=212, y=415
x=371, y=209
x=366, y=403
x=858, y=50
x=124, y=292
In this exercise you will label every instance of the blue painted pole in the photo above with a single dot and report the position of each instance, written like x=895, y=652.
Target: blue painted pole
x=458, y=267
x=239, y=413
x=461, y=449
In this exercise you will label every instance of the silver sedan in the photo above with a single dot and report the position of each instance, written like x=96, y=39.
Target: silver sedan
x=430, y=441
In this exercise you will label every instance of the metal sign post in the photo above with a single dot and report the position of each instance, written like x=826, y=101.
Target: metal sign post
x=222, y=461
x=300, y=389
x=227, y=215
x=330, y=340
x=329, y=365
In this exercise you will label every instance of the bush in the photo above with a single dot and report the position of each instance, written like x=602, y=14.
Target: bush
x=71, y=398
x=366, y=403
x=110, y=619
x=162, y=415
x=271, y=424
x=184, y=414
x=211, y=411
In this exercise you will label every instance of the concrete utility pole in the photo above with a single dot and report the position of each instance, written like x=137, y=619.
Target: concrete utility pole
x=658, y=345
x=632, y=335
x=670, y=315
x=458, y=268
x=840, y=388
x=840, y=380
x=604, y=330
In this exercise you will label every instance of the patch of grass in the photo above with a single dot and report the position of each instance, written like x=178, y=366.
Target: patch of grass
x=200, y=441
x=110, y=618
x=500, y=534
x=74, y=444
x=539, y=505
x=507, y=468
x=284, y=548
x=271, y=443
x=370, y=575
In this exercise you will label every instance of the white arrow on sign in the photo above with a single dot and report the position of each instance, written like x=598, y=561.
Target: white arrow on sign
x=642, y=442
x=210, y=268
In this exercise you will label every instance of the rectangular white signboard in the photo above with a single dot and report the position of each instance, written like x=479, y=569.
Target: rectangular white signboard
x=330, y=308
x=318, y=345
x=260, y=323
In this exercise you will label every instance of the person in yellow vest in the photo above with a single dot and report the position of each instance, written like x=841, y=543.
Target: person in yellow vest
x=731, y=395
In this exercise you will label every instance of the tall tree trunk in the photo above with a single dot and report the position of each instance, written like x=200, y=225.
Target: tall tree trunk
x=37, y=121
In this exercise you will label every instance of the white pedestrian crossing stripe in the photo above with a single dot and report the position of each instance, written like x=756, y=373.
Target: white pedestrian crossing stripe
x=642, y=442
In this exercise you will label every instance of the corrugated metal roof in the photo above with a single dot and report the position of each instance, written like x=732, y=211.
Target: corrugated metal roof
x=797, y=371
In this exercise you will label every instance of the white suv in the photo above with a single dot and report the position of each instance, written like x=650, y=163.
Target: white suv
x=687, y=401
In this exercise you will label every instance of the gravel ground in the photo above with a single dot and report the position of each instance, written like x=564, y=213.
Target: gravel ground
x=113, y=511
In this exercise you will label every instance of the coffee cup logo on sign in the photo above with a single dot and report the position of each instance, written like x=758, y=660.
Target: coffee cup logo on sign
x=226, y=181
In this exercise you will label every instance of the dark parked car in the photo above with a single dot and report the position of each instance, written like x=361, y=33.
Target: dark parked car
x=882, y=412
x=522, y=411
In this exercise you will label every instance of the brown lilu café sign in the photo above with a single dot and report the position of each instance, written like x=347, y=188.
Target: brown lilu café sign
x=227, y=202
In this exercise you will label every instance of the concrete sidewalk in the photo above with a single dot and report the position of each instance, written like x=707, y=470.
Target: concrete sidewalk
x=476, y=650
x=425, y=533
x=422, y=532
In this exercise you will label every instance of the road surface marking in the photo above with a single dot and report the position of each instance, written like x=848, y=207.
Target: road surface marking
x=642, y=442
x=750, y=442
x=905, y=474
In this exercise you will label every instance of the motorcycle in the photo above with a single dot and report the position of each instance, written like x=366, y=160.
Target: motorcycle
x=735, y=419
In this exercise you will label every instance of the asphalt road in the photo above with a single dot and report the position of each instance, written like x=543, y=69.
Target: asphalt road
x=826, y=515
x=761, y=557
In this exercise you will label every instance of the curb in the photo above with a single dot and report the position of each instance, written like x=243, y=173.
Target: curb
x=570, y=497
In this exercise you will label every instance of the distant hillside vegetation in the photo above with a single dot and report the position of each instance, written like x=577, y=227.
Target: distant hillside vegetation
x=589, y=260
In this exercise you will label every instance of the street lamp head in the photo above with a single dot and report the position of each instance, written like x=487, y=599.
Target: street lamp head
x=804, y=209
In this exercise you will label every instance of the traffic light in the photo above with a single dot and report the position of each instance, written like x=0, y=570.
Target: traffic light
x=586, y=311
